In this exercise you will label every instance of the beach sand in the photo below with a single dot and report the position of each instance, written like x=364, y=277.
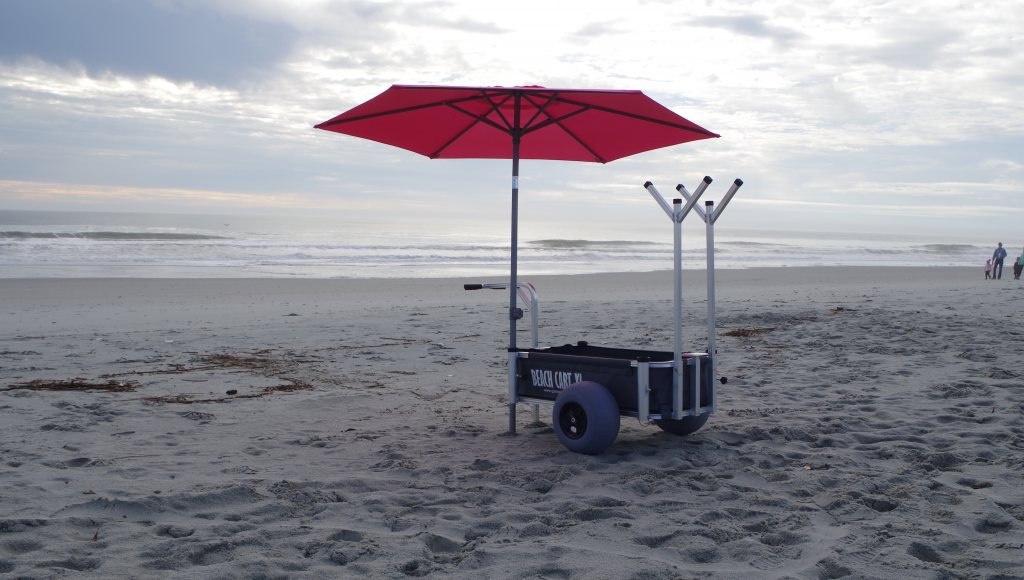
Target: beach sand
x=875, y=429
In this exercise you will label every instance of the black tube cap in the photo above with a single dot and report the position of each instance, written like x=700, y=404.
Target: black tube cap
x=473, y=286
x=738, y=182
x=677, y=200
x=581, y=343
x=648, y=184
x=680, y=187
x=709, y=202
x=707, y=179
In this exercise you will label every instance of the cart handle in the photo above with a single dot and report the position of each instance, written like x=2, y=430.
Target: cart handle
x=527, y=293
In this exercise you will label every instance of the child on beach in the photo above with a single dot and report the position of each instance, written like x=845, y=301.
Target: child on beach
x=988, y=269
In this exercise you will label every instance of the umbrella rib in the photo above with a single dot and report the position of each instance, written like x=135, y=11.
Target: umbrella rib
x=551, y=120
x=394, y=112
x=495, y=107
x=508, y=90
x=642, y=118
x=435, y=154
x=478, y=118
x=554, y=121
x=540, y=110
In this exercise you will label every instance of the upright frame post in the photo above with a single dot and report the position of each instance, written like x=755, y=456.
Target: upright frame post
x=709, y=215
x=709, y=219
x=677, y=309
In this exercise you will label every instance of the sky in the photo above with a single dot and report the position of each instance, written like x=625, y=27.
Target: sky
x=839, y=116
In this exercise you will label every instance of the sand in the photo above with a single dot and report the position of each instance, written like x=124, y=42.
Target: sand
x=366, y=436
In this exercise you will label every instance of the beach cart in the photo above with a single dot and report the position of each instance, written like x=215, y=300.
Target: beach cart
x=585, y=125
x=591, y=387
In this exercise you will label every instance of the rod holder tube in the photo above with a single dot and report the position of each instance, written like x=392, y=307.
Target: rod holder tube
x=695, y=385
x=687, y=195
x=677, y=309
x=704, y=183
x=513, y=359
x=658, y=198
x=690, y=204
x=643, y=387
x=728, y=197
x=712, y=351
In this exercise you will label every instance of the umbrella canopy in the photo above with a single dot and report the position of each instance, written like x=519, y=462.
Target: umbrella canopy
x=483, y=123
x=516, y=123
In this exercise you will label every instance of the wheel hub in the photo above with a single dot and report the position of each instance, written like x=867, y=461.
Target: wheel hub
x=573, y=420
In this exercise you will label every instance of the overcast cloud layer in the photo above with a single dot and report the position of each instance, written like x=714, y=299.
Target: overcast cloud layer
x=877, y=116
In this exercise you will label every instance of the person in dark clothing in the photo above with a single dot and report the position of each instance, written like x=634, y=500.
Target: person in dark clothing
x=1018, y=267
x=997, y=262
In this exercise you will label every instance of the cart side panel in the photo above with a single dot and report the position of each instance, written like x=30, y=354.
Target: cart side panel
x=544, y=376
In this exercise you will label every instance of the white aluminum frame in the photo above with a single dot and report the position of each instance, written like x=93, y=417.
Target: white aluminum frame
x=709, y=217
x=530, y=301
x=677, y=212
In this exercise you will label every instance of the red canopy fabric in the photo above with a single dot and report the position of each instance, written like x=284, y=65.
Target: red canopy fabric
x=481, y=123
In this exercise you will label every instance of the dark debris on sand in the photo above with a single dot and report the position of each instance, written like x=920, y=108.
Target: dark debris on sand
x=76, y=384
x=747, y=332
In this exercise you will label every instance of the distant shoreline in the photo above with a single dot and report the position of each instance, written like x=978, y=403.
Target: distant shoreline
x=232, y=274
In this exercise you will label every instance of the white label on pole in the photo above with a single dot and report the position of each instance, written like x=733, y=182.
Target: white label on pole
x=515, y=182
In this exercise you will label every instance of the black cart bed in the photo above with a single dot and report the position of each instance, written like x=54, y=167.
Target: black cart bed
x=543, y=373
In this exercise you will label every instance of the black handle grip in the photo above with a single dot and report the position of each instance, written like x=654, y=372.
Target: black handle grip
x=473, y=286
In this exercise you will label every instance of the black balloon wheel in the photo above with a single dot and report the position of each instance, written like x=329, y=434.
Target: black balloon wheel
x=573, y=420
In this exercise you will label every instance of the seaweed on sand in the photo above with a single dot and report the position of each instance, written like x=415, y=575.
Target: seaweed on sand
x=76, y=384
x=747, y=332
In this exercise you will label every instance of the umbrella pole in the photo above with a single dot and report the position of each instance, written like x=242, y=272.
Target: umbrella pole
x=513, y=356
x=515, y=245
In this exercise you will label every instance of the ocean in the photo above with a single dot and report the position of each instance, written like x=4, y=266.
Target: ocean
x=57, y=244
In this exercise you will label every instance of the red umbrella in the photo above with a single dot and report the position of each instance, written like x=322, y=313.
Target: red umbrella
x=516, y=123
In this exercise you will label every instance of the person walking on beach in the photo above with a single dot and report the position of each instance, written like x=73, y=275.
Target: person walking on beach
x=1018, y=266
x=988, y=269
x=997, y=262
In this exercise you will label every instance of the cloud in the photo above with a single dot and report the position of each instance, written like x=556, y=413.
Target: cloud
x=138, y=38
x=750, y=25
x=915, y=49
x=847, y=102
x=594, y=30
x=1004, y=164
x=429, y=14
